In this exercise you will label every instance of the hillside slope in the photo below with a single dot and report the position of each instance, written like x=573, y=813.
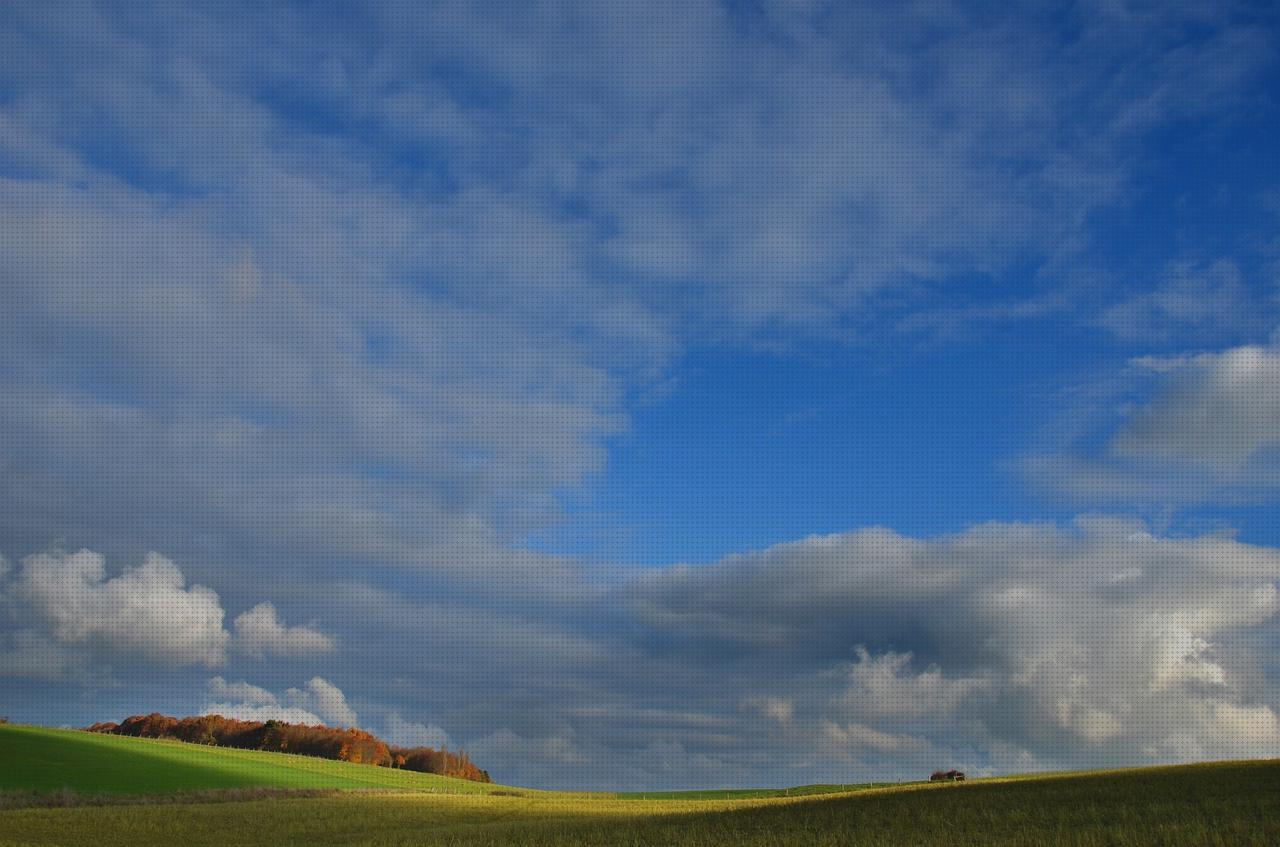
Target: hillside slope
x=41, y=759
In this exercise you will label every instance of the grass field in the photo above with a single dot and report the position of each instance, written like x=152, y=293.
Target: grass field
x=40, y=759
x=1219, y=804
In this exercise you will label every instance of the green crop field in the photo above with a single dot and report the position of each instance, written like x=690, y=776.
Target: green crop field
x=1235, y=803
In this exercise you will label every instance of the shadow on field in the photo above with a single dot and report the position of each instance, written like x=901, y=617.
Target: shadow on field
x=79, y=763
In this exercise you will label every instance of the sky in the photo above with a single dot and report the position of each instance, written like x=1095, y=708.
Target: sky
x=648, y=395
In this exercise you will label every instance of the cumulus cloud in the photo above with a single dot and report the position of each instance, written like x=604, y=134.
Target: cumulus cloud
x=1099, y=642
x=884, y=686
x=242, y=692
x=407, y=733
x=868, y=655
x=1007, y=646
x=325, y=699
x=318, y=702
x=147, y=610
x=259, y=633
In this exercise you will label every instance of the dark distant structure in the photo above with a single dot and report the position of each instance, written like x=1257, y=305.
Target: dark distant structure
x=947, y=776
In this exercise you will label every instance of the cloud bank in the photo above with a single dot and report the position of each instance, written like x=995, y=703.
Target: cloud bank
x=1098, y=642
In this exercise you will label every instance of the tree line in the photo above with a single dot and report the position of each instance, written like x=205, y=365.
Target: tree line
x=345, y=745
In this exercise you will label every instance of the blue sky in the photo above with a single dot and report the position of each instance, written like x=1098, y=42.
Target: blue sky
x=648, y=395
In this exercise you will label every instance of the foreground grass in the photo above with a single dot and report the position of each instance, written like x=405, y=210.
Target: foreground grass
x=1218, y=804
x=37, y=759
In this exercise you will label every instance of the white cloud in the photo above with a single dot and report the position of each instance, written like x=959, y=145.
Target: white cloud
x=1218, y=410
x=147, y=610
x=406, y=733
x=1179, y=657
x=260, y=633
x=242, y=692
x=884, y=687
x=319, y=702
x=325, y=699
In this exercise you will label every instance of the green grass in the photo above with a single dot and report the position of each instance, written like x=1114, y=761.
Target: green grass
x=1235, y=803
x=40, y=759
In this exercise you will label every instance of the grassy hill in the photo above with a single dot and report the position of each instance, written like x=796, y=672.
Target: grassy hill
x=40, y=759
x=1233, y=803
